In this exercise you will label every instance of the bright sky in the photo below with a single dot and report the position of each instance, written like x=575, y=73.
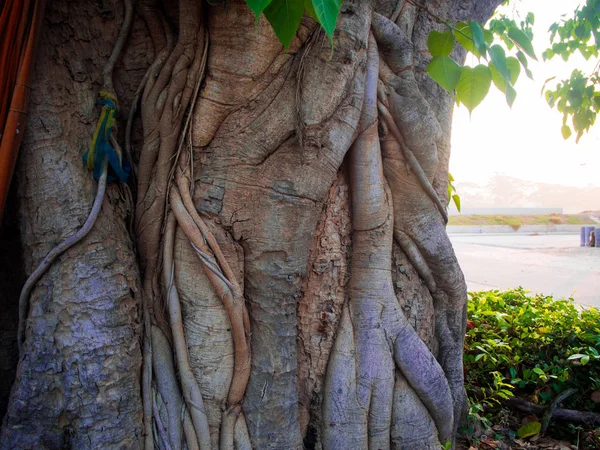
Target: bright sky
x=526, y=142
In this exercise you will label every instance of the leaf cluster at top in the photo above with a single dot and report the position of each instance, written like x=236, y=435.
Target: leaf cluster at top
x=471, y=84
x=285, y=15
x=577, y=98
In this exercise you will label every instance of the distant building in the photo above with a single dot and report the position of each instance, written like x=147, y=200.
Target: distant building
x=506, y=211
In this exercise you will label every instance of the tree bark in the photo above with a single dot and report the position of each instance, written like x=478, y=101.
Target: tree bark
x=284, y=278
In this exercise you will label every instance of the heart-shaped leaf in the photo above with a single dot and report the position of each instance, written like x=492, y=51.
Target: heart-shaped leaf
x=445, y=72
x=478, y=38
x=440, y=44
x=464, y=36
x=473, y=85
x=524, y=63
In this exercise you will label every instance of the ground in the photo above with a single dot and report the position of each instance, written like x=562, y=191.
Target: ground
x=552, y=264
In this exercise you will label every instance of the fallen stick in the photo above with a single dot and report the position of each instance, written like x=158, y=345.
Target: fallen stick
x=567, y=415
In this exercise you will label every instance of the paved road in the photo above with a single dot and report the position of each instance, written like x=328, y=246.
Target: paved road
x=551, y=264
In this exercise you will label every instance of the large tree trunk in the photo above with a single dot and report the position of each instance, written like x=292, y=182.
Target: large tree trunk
x=282, y=277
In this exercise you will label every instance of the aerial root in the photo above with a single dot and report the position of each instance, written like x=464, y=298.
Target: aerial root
x=241, y=435
x=191, y=390
x=416, y=258
x=412, y=160
x=162, y=432
x=165, y=93
x=118, y=47
x=183, y=182
x=374, y=337
x=230, y=416
x=55, y=253
x=161, y=161
x=236, y=311
x=426, y=377
x=232, y=299
x=188, y=429
x=166, y=383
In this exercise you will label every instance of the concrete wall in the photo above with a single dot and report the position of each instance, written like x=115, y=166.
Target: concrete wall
x=506, y=211
x=524, y=229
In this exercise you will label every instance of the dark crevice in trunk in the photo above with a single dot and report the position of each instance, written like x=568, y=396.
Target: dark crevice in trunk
x=12, y=278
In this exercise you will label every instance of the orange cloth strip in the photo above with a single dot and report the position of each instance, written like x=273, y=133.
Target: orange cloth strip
x=20, y=25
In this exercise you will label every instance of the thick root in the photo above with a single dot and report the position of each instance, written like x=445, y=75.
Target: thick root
x=361, y=372
x=166, y=382
x=191, y=391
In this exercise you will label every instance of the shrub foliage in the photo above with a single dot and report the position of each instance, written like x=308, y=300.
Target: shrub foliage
x=533, y=347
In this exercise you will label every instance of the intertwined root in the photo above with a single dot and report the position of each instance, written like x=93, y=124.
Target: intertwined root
x=374, y=336
x=168, y=98
x=378, y=363
x=413, y=141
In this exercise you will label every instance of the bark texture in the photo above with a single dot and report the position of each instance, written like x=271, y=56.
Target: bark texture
x=285, y=279
x=78, y=382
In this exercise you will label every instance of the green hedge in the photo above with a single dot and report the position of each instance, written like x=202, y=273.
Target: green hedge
x=532, y=346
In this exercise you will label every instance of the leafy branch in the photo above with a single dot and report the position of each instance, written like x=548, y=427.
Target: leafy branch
x=578, y=97
x=471, y=84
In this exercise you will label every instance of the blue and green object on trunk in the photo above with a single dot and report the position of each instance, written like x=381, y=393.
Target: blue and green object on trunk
x=100, y=147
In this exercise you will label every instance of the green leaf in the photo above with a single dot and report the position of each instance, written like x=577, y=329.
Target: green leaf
x=530, y=18
x=464, y=36
x=440, y=44
x=566, y=134
x=547, y=54
x=585, y=359
x=498, y=80
x=445, y=72
x=488, y=35
x=456, y=199
x=310, y=9
x=284, y=16
x=514, y=68
x=522, y=41
x=473, y=85
x=511, y=95
x=529, y=429
x=258, y=6
x=523, y=60
x=478, y=37
x=498, y=57
x=327, y=13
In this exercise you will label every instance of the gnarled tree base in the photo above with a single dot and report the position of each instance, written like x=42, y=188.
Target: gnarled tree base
x=292, y=283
